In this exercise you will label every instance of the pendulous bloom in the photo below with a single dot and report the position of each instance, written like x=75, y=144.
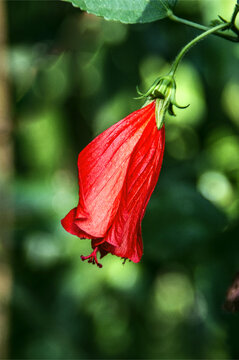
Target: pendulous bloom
x=118, y=172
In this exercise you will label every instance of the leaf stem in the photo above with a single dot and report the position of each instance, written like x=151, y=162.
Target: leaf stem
x=186, y=48
x=233, y=19
x=229, y=37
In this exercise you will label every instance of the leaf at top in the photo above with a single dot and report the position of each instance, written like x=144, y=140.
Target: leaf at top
x=127, y=11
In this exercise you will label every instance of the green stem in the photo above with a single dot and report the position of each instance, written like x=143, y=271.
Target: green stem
x=229, y=37
x=234, y=15
x=194, y=42
x=233, y=19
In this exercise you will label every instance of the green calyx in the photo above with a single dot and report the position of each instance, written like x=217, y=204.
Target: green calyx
x=163, y=91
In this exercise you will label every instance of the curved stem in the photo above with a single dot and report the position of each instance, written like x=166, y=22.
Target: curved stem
x=229, y=37
x=235, y=12
x=194, y=42
x=233, y=19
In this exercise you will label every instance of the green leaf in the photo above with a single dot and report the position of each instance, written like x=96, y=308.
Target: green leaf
x=127, y=11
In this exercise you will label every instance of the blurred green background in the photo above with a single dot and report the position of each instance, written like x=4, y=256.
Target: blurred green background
x=72, y=75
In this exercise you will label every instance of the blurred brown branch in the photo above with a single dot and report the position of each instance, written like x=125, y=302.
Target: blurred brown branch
x=6, y=168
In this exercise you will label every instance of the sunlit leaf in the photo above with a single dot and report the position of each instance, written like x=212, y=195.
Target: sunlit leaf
x=130, y=12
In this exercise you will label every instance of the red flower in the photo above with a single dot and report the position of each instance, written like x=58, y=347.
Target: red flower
x=118, y=172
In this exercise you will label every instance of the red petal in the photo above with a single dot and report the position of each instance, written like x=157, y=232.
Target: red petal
x=68, y=224
x=140, y=181
x=103, y=166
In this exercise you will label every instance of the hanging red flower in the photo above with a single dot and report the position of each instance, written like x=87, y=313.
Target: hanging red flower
x=118, y=172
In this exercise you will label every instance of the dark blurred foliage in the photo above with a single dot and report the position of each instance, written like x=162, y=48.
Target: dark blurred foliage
x=73, y=75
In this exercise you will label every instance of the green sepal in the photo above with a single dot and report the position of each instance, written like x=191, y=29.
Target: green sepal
x=148, y=93
x=179, y=106
x=158, y=94
x=170, y=110
x=159, y=113
x=163, y=91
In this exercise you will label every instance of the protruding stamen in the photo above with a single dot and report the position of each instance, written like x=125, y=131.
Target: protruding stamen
x=124, y=260
x=92, y=258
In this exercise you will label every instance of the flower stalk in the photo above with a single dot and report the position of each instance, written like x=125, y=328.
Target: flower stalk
x=200, y=37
